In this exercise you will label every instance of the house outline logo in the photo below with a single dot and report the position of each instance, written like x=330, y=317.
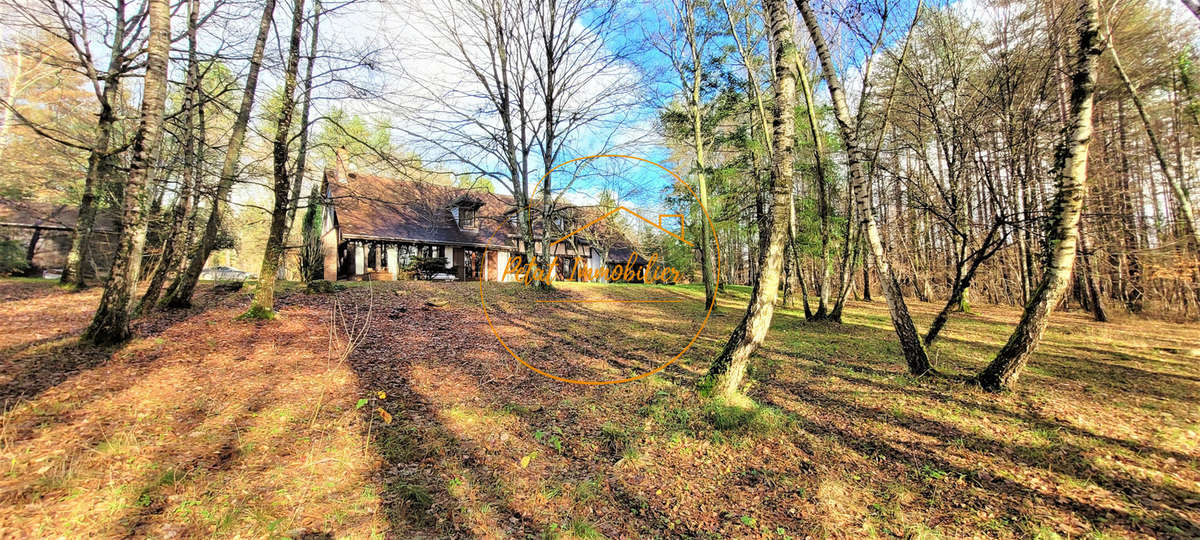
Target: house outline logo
x=681, y=225
x=708, y=309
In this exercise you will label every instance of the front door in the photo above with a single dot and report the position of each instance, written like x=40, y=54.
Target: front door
x=471, y=265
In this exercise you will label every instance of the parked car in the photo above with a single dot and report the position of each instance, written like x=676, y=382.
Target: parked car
x=225, y=273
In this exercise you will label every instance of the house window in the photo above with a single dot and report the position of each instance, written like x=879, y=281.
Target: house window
x=466, y=218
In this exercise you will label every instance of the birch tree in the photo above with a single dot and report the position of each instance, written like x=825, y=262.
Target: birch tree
x=1071, y=160
x=729, y=368
x=910, y=341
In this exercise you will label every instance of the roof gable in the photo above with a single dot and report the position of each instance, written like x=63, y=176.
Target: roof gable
x=415, y=210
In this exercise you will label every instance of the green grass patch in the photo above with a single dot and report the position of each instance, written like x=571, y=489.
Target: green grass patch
x=257, y=313
x=753, y=419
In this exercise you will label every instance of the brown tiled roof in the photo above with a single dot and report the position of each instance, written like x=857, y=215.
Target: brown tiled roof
x=38, y=214
x=414, y=210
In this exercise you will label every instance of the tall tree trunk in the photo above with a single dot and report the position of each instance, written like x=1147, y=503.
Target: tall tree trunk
x=1030, y=206
x=866, y=272
x=823, y=195
x=729, y=368
x=706, y=257
x=706, y=251
x=306, y=105
x=1193, y=5
x=760, y=108
x=910, y=341
x=1178, y=189
x=263, y=304
x=547, y=81
x=795, y=261
x=100, y=160
x=1092, y=291
x=180, y=293
x=847, y=273
x=172, y=246
x=1071, y=168
x=111, y=322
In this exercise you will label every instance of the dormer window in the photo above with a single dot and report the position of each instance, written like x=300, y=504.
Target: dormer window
x=465, y=210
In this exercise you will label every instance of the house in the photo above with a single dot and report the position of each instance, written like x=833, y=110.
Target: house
x=373, y=226
x=46, y=230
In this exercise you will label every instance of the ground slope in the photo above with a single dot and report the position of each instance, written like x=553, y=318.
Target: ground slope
x=429, y=428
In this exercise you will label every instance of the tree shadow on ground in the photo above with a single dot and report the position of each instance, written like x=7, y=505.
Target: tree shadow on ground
x=1161, y=500
x=479, y=445
x=199, y=426
x=839, y=375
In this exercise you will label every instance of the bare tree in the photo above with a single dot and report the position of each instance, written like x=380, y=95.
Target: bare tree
x=77, y=24
x=305, y=111
x=1071, y=160
x=485, y=122
x=729, y=368
x=529, y=81
x=172, y=246
x=263, y=305
x=111, y=321
x=685, y=43
x=181, y=290
x=1178, y=188
x=910, y=341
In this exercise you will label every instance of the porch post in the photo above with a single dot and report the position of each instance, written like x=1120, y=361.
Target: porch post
x=393, y=261
x=501, y=264
x=360, y=259
x=329, y=248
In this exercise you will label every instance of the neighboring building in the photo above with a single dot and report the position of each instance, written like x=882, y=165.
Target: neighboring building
x=373, y=226
x=46, y=230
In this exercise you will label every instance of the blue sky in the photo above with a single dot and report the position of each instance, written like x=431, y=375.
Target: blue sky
x=633, y=130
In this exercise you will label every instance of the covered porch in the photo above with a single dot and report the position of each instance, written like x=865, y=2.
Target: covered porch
x=377, y=259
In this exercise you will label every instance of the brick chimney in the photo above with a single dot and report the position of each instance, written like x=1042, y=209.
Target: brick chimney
x=341, y=168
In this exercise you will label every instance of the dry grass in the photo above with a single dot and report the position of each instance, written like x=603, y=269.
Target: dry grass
x=204, y=426
x=201, y=426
